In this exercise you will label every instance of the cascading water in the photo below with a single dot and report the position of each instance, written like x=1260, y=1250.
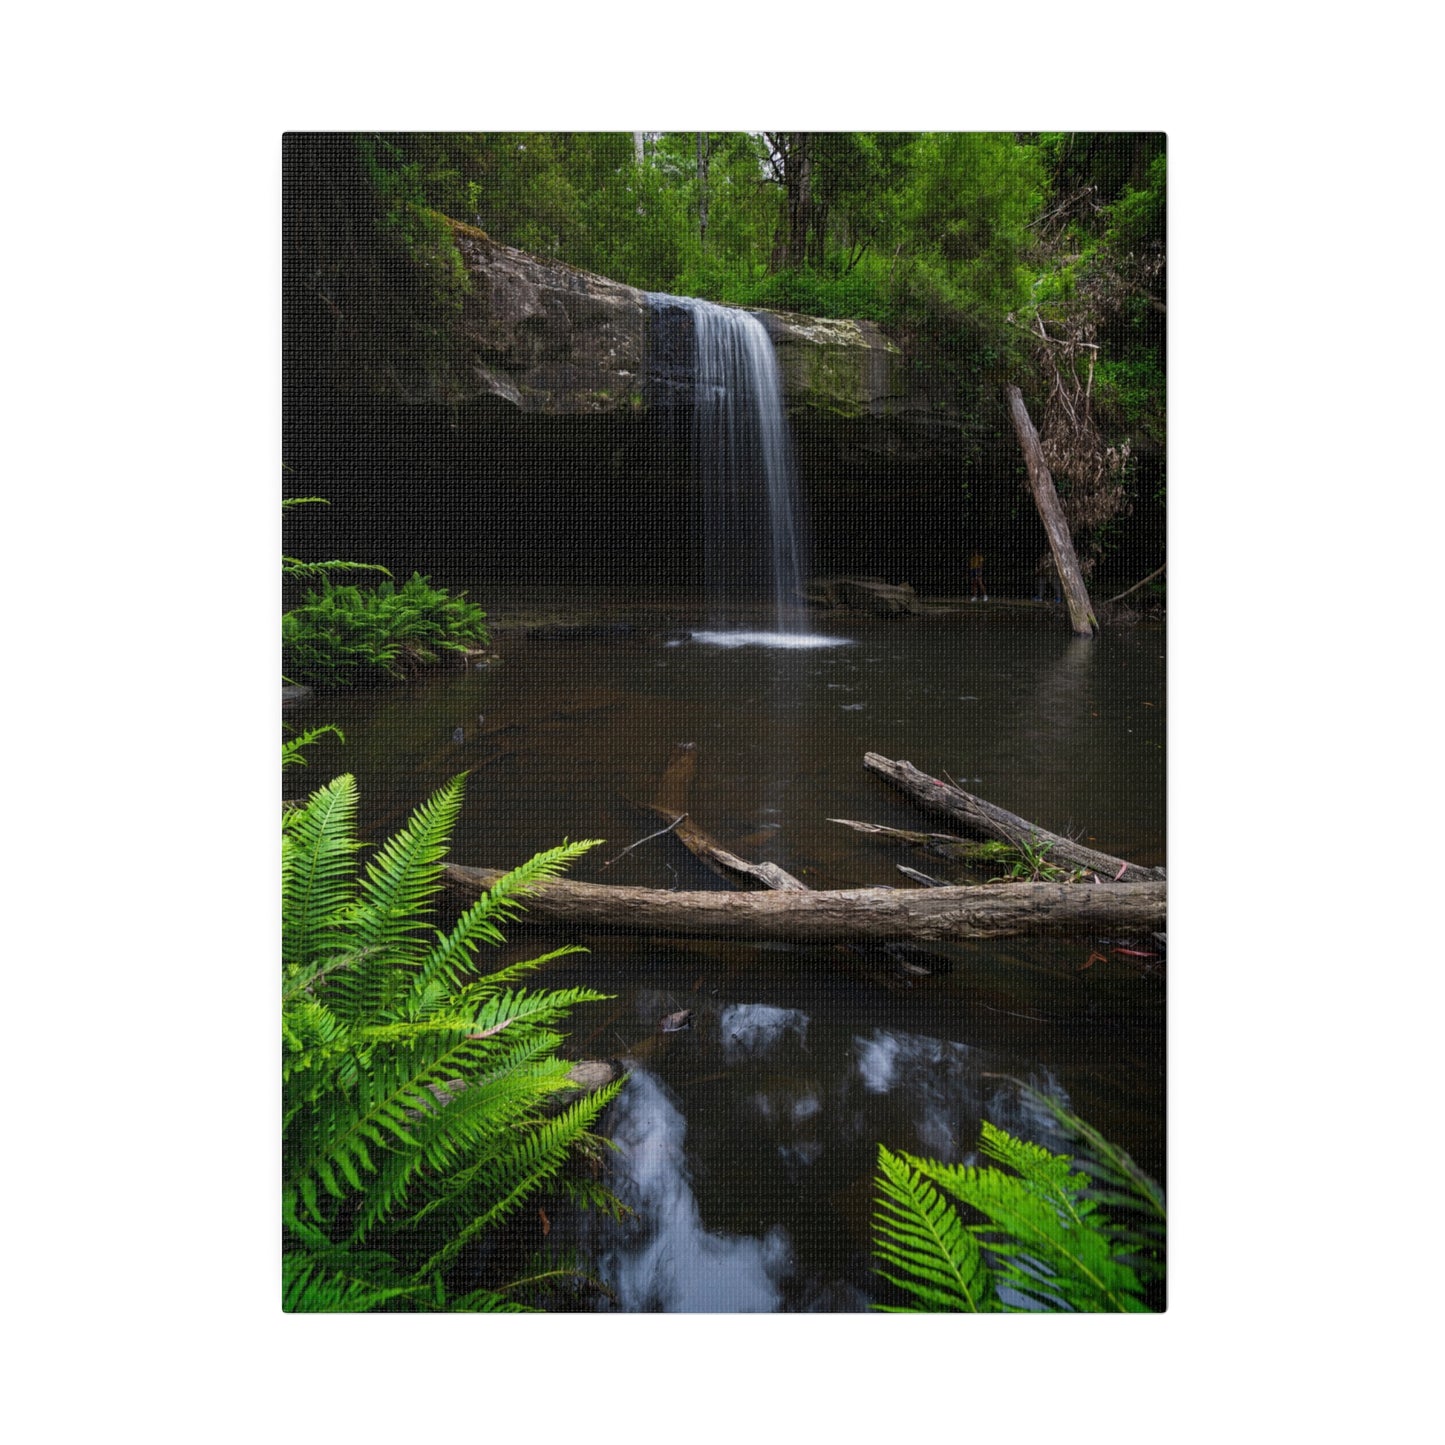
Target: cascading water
x=715, y=373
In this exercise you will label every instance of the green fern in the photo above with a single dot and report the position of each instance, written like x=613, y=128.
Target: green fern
x=919, y=1233
x=340, y=634
x=1037, y=1233
x=414, y=1088
x=291, y=755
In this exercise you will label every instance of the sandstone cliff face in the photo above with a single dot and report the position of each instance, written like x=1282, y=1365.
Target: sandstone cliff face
x=549, y=338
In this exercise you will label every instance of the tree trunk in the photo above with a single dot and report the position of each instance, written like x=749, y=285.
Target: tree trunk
x=1051, y=514
x=851, y=915
x=704, y=154
x=995, y=822
x=793, y=168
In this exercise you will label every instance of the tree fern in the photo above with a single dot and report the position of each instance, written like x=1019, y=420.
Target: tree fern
x=413, y=1089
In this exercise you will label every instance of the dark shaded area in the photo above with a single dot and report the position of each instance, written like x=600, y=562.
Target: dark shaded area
x=485, y=491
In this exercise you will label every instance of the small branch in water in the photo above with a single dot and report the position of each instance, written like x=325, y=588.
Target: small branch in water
x=918, y=877
x=647, y=839
x=1138, y=585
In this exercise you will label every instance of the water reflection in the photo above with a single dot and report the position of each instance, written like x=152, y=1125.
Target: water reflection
x=668, y=1261
x=754, y=1029
x=948, y=1088
x=747, y=1151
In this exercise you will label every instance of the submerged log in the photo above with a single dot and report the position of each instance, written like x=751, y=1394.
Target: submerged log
x=847, y=915
x=671, y=799
x=995, y=822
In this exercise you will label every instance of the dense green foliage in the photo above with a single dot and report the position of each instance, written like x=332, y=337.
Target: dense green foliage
x=416, y=1093
x=1034, y=258
x=1036, y=1234
x=343, y=634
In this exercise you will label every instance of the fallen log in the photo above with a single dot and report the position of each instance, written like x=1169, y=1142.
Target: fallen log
x=846, y=915
x=995, y=822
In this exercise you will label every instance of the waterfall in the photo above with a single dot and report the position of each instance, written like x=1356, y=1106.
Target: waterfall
x=714, y=374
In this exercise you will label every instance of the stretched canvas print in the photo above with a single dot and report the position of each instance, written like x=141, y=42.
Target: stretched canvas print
x=724, y=722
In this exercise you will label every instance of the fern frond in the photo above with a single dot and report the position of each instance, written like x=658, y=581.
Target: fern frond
x=587, y=1194
x=401, y=881
x=920, y=1234
x=507, y=1116
x=310, y=1286
x=419, y=1102
x=301, y=979
x=294, y=567
x=501, y=899
x=291, y=747
x=382, y=1135
x=452, y=958
x=445, y=969
x=540, y=1154
x=488, y=983
x=1102, y=1159
x=318, y=873
x=550, y=1270
x=1032, y=1227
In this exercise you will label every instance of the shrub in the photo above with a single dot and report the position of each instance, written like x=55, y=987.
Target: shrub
x=419, y=1100
x=345, y=634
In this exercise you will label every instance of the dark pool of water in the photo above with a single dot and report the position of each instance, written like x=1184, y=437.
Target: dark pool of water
x=749, y=1140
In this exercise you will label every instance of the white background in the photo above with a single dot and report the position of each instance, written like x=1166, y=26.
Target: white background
x=142, y=376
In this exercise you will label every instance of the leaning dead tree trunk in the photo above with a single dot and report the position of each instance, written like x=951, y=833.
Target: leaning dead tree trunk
x=1051, y=514
x=847, y=915
x=995, y=822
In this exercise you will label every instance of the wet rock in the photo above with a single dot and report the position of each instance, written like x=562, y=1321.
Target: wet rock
x=863, y=594
x=295, y=695
x=591, y=1074
x=549, y=338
